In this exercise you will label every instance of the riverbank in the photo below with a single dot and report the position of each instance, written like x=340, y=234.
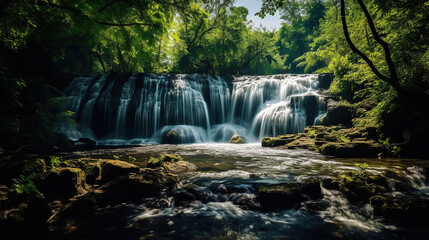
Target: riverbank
x=338, y=141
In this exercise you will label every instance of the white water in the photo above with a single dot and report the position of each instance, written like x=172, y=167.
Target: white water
x=145, y=108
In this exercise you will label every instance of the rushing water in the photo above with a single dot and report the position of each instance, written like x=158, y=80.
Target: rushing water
x=225, y=182
x=140, y=108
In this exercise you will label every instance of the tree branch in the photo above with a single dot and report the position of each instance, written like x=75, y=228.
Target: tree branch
x=354, y=48
x=385, y=45
x=81, y=14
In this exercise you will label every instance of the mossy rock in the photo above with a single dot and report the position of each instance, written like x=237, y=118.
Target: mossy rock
x=171, y=137
x=402, y=210
x=64, y=183
x=361, y=186
x=237, y=139
x=355, y=149
x=134, y=188
x=279, y=196
x=112, y=169
x=164, y=158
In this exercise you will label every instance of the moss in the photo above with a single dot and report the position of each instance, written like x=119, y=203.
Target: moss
x=157, y=162
x=237, y=139
x=267, y=142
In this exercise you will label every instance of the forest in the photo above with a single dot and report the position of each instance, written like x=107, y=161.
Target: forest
x=98, y=95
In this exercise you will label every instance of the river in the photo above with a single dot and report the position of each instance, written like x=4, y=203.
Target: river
x=225, y=182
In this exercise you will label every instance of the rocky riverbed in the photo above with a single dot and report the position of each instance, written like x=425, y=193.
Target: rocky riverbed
x=220, y=191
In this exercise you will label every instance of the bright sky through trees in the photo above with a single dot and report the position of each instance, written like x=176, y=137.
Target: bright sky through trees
x=270, y=22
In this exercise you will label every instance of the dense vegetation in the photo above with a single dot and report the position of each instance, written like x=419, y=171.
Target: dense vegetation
x=45, y=43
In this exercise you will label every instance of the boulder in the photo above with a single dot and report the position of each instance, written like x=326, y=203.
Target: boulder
x=352, y=149
x=275, y=196
x=171, y=137
x=63, y=183
x=402, y=210
x=134, y=188
x=276, y=141
x=91, y=167
x=179, y=167
x=311, y=188
x=337, y=113
x=359, y=187
x=237, y=139
x=112, y=169
x=164, y=158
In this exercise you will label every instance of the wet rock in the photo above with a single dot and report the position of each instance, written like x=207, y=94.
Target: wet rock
x=405, y=211
x=311, y=188
x=315, y=206
x=244, y=200
x=360, y=186
x=283, y=195
x=351, y=149
x=112, y=169
x=63, y=183
x=133, y=188
x=91, y=167
x=178, y=167
x=274, y=142
x=237, y=139
x=183, y=198
x=331, y=184
x=171, y=137
x=337, y=113
x=164, y=158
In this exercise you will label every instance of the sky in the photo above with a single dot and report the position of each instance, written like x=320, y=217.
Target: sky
x=270, y=22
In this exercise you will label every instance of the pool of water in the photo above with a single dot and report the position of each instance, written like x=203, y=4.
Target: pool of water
x=222, y=213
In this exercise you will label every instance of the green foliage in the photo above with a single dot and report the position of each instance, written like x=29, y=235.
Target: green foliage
x=25, y=185
x=157, y=162
x=116, y=157
x=131, y=159
x=55, y=161
x=342, y=138
x=394, y=150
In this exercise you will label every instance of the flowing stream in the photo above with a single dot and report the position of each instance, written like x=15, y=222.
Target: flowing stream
x=225, y=183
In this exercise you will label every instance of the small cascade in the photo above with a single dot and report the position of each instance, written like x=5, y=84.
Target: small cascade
x=199, y=108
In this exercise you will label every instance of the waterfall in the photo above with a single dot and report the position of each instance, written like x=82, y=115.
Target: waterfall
x=188, y=108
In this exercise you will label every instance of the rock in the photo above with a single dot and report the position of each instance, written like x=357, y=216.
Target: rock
x=311, y=188
x=402, y=210
x=276, y=141
x=63, y=183
x=360, y=186
x=171, y=137
x=91, y=167
x=283, y=195
x=183, y=198
x=337, y=113
x=325, y=80
x=353, y=149
x=331, y=184
x=88, y=142
x=134, y=188
x=178, y=167
x=112, y=169
x=164, y=158
x=237, y=139
x=315, y=206
x=244, y=200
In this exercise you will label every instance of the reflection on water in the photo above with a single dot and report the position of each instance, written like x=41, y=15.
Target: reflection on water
x=225, y=183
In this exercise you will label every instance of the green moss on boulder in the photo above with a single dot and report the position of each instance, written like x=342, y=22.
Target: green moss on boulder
x=237, y=139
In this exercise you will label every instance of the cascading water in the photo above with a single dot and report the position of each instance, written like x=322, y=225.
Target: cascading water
x=170, y=108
